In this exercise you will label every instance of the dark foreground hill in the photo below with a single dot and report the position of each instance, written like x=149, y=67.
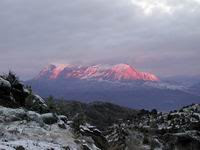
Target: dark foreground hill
x=100, y=114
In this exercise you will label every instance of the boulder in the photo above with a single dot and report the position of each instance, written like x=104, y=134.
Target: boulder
x=62, y=124
x=26, y=91
x=5, y=87
x=33, y=116
x=10, y=115
x=20, y=148
x=19, y=93
x=91, y=131
x=36, y=103
x=6, y=97
x=85, y=147
x=12, y=95
x=49, y=118
x=183, y=141
x=4, y=83
x=63, y=118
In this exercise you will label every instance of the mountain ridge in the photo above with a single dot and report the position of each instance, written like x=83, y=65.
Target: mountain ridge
x=119, y=72
x=90, y=83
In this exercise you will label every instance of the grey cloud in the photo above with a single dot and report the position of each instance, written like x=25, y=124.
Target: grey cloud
x=36, y=33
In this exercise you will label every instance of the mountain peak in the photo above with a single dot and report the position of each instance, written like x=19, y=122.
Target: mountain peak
x=122, y=66
x=96, y=72
x=49, y=67
x=59, y=68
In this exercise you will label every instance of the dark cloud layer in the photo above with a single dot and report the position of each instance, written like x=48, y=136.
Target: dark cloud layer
x=160, y=36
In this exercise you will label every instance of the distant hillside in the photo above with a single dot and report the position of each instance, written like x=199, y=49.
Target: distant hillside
x=135, y=94
x=195, y=88
x=100, y=114
x=120, y=84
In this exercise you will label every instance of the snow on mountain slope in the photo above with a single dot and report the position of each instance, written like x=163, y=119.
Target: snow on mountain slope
x=165, y=85
x=98, y=72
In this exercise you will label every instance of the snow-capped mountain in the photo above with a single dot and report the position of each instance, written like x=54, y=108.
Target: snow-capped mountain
x=117, y=72
x=120, y=84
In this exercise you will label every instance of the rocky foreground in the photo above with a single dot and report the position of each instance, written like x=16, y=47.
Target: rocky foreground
x=178, y=130
x=21, y=129
x=27, y=122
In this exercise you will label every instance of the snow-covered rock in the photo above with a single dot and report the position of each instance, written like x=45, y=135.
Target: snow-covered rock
x=4, y=83
x=36, y=103
x=95, y=134
x=6, y=97
x=49, y=118
x=19, y=127
x=176, y=130
x=63, y=118
x=29, y=130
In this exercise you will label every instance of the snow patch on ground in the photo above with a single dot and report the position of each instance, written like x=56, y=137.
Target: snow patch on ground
x=18, y=129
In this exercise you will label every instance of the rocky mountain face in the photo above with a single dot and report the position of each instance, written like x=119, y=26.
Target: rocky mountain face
x=119, y=72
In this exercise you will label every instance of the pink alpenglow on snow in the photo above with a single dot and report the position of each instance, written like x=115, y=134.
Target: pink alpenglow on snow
x=117, y=72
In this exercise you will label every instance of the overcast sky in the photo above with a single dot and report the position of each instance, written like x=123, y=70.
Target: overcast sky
x=158, y=36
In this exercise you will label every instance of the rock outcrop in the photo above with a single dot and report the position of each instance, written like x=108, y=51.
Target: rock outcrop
x=20, y=128
x=14, y=94
x=26, y=122
x=177, y=130
x=36, y=103
x=6, y=97
x=31, y=130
